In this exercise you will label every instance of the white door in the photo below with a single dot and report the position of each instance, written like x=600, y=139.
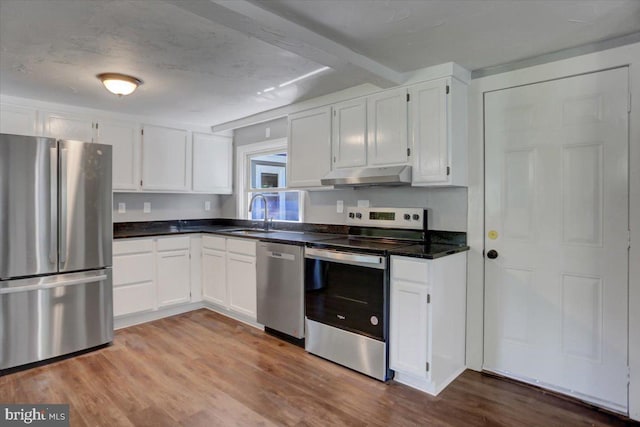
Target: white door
x=557, y=216
x=68, y=126
x=387, y=124
x=349, y=133
x=212, y=159
x=241, y=284
x=124, y=139
x=166, y=159
x=309, y=153
x=174, y=273
x=214, y=276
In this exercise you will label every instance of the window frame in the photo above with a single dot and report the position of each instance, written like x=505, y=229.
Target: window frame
x=243, y=177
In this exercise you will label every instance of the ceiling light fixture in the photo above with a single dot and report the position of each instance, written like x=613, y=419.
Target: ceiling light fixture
x=119, y=84
x=269, y=89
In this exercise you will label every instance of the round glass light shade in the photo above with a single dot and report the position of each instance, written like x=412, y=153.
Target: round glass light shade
x=119, y=84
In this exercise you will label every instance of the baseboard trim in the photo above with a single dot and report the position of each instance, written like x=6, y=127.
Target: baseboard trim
x=232, y=314
x=149, y=316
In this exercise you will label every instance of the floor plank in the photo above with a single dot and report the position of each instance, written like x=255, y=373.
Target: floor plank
x=204, y=369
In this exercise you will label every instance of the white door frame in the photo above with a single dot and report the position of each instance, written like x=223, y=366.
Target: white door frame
x=621, y=56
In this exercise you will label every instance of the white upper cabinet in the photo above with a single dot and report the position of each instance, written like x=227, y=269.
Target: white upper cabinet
x=212, y=160
x=309, y=150
x=349, y=136
x=387, y=126
x=18, y=120
x=125, y=141
x=438, y=123
x=166, y=159
x=68, y=126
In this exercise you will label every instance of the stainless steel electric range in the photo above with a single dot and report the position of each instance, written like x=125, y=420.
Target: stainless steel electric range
x=347, y=287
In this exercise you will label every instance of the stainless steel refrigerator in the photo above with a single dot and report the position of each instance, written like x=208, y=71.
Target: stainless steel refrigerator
x=56, y=234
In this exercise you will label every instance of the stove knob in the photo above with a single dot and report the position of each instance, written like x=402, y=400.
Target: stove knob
x=358, y=215
x=416, y=217
x=352, y=215
x=407, y=217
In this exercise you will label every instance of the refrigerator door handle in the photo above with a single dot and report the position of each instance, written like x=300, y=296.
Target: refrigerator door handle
x=32, y=285
x=53, y=204
x=63, y=206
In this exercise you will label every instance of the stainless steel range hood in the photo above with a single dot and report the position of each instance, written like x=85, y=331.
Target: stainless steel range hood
x=369, y=176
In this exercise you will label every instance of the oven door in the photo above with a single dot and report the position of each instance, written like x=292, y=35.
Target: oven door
x=346, y=290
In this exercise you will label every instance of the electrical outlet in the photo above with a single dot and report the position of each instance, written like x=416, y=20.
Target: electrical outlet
x=340, y=206
x=122, y=208
x=147, y=207
x=207, y=205
x=267, y=132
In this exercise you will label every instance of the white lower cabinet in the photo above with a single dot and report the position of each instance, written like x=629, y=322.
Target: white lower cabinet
x=150, y=273
x=428, y=320
x=134, y=288
x=229, y=274
x=174, y=270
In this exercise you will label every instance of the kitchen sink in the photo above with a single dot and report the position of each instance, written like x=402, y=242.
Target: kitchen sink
x=249, y=232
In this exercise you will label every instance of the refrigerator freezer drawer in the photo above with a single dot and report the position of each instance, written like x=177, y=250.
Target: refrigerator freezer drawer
x=56, y=315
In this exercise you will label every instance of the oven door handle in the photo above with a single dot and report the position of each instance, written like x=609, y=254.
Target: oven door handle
x=370, y=261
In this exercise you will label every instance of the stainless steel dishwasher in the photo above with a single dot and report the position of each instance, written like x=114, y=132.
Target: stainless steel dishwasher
x=281, y=289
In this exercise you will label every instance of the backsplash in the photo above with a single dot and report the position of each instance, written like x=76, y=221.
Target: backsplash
x=165, y=206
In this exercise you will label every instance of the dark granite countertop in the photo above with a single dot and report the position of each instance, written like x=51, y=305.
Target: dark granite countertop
x=429, y=250
x=440, y=243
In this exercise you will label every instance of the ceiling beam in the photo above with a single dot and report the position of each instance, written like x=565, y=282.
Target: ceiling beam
x=250, y=19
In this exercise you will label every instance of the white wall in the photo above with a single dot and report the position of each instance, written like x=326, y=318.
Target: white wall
x=165, y=206
x=621, y=56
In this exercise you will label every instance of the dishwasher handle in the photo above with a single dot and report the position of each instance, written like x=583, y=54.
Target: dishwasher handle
x=280, y=255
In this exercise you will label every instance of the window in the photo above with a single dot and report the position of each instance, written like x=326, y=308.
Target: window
x=262, y=169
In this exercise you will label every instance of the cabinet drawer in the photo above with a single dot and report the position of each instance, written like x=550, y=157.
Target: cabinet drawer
x=242, y=246
x=133, y=298
x=411, y=269
x=214, y=242
x=132, y=246
x=134, y=268
x=173, y=243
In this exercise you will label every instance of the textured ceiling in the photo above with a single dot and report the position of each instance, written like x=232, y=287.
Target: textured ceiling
x=197, y=70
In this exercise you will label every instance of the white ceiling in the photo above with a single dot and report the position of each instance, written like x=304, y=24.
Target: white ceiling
x=204, y=61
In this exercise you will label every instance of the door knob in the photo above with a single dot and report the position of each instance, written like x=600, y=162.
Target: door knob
x=492, y=254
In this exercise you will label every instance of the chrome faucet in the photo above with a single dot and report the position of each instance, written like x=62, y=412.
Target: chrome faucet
x=266, y=209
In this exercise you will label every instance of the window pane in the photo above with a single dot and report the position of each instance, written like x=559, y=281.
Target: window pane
x=269, y=171
x=282, y=206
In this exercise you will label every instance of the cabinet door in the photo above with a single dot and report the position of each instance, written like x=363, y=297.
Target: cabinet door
x=68, y=126
x=429, y=131
x=241, y=283
x=133, y=276
x=387, y=125
x=409, y=328
x=174, y=283
x=124, y=139
x=349, y=134
x=18, y=120
x=214, y=276
x=166, y=159
x=309, y=152
x=212, y=159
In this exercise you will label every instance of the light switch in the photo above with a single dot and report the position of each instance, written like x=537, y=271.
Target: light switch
x=207, y=205
x=363, y=203
x=267, y=132
x=340, y=206
x=147, y=207
x=122, y=208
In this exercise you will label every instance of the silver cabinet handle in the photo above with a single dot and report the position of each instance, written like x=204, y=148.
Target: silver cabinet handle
x=62, y=283
x=63, y=205
x=372, y=261
x=53, y=205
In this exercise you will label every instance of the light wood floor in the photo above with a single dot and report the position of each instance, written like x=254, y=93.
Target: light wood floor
x=203, y=369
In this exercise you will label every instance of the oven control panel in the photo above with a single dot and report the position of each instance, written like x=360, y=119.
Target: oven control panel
x=413, y=218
